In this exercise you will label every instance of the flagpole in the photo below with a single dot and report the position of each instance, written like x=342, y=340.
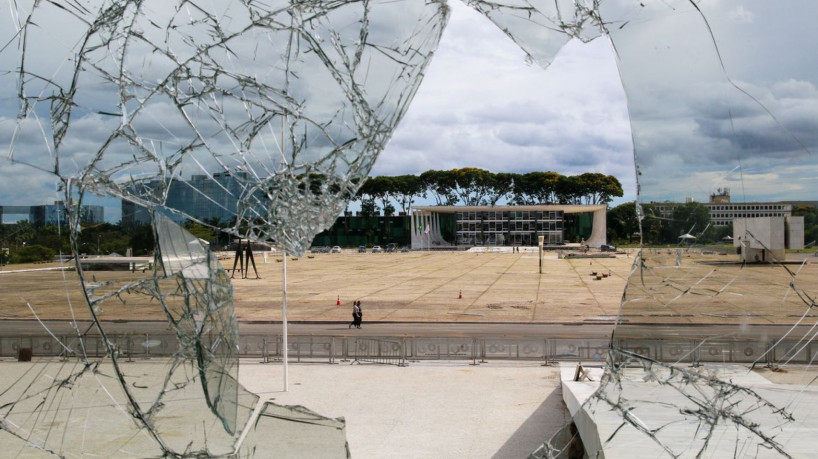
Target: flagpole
x=284, y=314
x=284, y=279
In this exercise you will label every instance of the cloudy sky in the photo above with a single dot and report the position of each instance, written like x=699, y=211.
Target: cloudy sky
x=725, y=102
x=482, y=105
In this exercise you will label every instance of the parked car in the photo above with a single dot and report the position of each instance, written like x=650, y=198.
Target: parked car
x=361, y=249
x=391, y=247
x=607, y=248
x=377, y=249
x=335, y=249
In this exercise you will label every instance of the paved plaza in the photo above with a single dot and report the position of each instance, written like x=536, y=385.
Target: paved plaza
x=450, y=287
x=416, y=286
x=443, y=408
x=437, y=286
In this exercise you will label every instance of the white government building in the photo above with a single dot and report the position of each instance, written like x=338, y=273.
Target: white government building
x=502, y=225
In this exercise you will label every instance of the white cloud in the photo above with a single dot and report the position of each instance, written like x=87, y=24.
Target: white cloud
x=481, y=105
x=742, y=15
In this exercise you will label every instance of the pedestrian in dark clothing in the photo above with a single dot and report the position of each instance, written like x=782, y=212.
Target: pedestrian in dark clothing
x=355, y=315
x=360, y=314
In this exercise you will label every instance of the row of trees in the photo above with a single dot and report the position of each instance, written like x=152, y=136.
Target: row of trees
x=478, y=187
x=623, y=225
x=28, y=243
x=691, y=217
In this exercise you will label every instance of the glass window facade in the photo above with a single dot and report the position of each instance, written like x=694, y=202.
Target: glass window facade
x=517, y=227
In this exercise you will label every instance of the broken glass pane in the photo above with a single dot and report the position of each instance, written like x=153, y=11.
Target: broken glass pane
x=272, y=115
x=96, y=398
x=266, y=117
x=263, y=117
x=724, y=114
x=294, y=431
x=190, y=403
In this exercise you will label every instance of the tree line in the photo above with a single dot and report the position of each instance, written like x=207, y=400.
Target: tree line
x=692, y=217
x=471, y=186
x=29, y=243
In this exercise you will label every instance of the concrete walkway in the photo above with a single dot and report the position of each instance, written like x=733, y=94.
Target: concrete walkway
x=429, y=409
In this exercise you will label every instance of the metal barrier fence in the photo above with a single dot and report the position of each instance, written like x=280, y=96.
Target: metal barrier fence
x=400, y=351
x=379, y=350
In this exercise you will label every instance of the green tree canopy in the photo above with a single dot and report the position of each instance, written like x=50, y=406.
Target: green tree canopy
x=690, y=217
x=623, y=223
x=472, y=186
x=598, y=188
x=32, y=253
x=382, y=188
x=441, y=184
x=535, y=188
x=502, y=186
x=407, y=188
x=570, y=189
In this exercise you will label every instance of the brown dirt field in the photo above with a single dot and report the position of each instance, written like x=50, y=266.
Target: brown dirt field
x=414, y=286
x=457, y=287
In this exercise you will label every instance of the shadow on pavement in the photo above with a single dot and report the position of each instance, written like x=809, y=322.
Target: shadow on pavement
x=547, y=420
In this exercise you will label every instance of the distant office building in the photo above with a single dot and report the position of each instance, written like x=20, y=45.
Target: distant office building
x=202, y=197
x=723, y=211
x=50, y=214
x=508, y=225
x=134, y=214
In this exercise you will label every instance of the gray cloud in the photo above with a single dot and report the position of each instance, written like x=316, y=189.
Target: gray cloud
x=481, y=105
x=702, y=105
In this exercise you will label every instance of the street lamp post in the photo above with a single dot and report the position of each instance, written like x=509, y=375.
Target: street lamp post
x=285, y=356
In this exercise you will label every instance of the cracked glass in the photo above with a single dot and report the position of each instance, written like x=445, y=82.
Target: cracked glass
x=272, y=113
x=263, y=116
x=724, y=116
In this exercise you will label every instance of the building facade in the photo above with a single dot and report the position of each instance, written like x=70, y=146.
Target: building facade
x=203, y=197
x=723, y=211
x=51, y=214
x=507, y=225
x=354, y=231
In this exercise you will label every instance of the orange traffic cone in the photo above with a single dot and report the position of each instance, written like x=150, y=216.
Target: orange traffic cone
x=338, y=302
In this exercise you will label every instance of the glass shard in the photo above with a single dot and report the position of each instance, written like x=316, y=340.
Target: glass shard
x=258, y=119
x=270, y=115
x=723, y=113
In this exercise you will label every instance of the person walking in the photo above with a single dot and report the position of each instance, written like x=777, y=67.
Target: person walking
x=354, y=315
x=360, y=314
